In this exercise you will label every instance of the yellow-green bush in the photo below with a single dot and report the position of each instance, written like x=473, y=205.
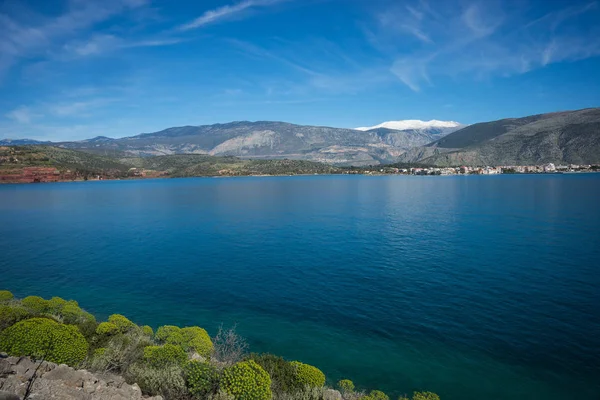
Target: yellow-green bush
x=169, y=334
x=71, y=312
x=307, y=375
x=36, y=304
x=168, y=354
x=247, y=380
x=107, y=328
x=11, y=314
x=147, y=330
x=197, y=339
x=42, y=337
x=56, y=304
x=201, y=378
x=346, y=386
x=282, y=372
x=121, y=322
x=376, y=395
x=425, y=396
x=99, y=352
x=5, y=295
x=190, y=339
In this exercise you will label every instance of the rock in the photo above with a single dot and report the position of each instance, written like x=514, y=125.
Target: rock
x=61, y=382
x=5, y=367
x=330, y=394
x=8, y=396
x=14, y=385
x=67, y=375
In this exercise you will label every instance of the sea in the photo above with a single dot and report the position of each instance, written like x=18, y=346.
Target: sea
x=473, y=287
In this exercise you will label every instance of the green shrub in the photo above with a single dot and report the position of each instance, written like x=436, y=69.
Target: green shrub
x=247, y=380
x=197, y=339
x=42, y=337
x=160, y=356
x=147, y=330
x=107, y=328
x=346, y=386
x=425, y=396
x=5, y=295
x=71, y=313
x=282, y=373
x=220, y=395
x=100, y=352
x=36, y=304
x=201, y=378
x=307, y=375
x=56, y=304
x=120, y=351
x=190, y=339
x=167, y=381
x=377, y=395
x=11, y=314
x=121, y=322
x=169, y=334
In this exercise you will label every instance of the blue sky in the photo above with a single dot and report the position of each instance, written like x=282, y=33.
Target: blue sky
x=76, y=69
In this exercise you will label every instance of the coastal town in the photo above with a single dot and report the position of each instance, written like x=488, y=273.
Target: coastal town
x=549, y=168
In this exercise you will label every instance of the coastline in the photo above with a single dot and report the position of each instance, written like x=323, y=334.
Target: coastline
x=289, y=175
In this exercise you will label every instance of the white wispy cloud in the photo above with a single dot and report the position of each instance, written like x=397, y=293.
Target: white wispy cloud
x=320, y=67
x=480, y=39
x=78, y=108
x=55, y=37
x=227, y=12
x=22, y=115
x=480, y=21
x=99, y=44
x=254, y=50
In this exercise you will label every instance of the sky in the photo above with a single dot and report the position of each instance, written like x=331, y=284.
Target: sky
x=76, y=69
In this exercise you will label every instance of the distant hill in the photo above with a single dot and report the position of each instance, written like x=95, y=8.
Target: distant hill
x=19, y=142
x=63, y=159
x=17, y=163
x=569, y=137
x=262, y=140
x=188, y=165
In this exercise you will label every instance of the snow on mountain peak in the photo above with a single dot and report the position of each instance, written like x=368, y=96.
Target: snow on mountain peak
x=413, y=124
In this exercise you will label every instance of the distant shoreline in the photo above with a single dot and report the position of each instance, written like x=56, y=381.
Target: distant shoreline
x=289, y=175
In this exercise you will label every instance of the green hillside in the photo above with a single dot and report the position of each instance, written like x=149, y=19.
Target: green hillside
x=15, y=157
x=80, y=164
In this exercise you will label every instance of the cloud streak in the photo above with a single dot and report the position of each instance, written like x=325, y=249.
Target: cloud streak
x=22, y=39
x=22, y=115
x=481, y=39
x=227, y=12
x=105, y=43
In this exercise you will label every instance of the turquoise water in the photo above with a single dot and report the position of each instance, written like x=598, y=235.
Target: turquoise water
x=473, y=287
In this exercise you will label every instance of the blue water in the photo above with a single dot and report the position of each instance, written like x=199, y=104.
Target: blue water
x=472, y=287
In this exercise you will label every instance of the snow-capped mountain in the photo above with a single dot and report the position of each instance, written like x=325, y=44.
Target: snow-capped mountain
x=415, y=124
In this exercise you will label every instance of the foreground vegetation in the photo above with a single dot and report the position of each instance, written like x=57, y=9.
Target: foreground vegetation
x=177, y=363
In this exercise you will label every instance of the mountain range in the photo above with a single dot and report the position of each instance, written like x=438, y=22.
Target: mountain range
x=267, y=140
x=571, y=137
